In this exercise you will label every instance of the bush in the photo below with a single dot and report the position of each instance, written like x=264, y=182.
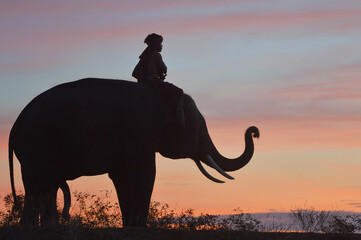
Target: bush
x=160, y=216
x=339, y=223
x=92, y=211
x=95, y=211
x=241, y=222
x=10, y=215
x=310, y=220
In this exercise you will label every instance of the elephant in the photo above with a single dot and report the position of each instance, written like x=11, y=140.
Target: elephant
x=95, y=126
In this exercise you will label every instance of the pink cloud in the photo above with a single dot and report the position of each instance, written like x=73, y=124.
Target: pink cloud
x=50, y=8
x=67, y=36
x=25, y=65
x=270, y=21
x=41, y=6
x=317, y=91
x=342, y=82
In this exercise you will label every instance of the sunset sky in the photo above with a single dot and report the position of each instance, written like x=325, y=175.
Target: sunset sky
x=290, y=67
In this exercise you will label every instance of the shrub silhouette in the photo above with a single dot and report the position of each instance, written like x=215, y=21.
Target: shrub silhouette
x=10, y=215
x=341, y=224
x=311, y=220
x=93, y=211
x=242, y=222
x=98, y=211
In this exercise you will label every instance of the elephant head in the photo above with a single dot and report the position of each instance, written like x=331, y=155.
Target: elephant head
x=194, y=142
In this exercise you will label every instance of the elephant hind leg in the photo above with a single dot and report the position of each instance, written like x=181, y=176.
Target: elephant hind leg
x=30, y=214
x=39, y=203
x=48, y=209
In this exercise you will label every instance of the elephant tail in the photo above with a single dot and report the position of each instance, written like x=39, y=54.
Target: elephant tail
x=11, y=166
x=67, y=200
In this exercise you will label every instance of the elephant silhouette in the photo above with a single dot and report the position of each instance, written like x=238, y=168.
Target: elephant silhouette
x=95, y=126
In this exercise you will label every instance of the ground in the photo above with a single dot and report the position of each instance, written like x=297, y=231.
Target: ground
x=73, y=232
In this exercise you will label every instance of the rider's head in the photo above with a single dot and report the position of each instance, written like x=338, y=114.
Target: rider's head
x=154, y=41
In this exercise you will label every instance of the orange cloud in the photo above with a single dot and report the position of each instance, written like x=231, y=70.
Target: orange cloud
x=43, y=7
x=341, y=82
x=273, y=21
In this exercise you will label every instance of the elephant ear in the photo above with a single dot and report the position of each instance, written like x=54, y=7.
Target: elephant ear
x=172, y=141
x=180, y=140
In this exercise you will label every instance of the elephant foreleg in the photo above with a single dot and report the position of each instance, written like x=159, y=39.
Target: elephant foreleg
x=134, y=188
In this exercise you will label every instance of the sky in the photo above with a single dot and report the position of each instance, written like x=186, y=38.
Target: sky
x=290, y=67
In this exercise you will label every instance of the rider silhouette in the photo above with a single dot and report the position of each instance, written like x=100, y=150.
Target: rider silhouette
x=151, y=71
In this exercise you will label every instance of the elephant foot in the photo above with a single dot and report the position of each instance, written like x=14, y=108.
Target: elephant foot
x=134, y=220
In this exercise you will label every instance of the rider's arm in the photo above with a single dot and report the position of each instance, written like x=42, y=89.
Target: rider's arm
x=157, y=68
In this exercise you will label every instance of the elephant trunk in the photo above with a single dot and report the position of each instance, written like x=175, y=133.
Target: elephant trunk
x=234, y=164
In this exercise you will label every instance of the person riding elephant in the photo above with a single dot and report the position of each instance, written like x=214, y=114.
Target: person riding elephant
x=152, y=71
